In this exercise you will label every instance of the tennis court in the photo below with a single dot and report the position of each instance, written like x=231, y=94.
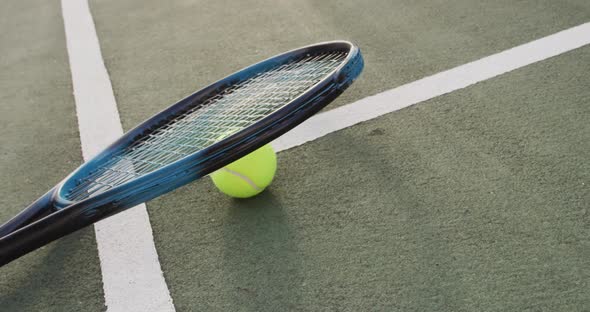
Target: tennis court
x=461, y=183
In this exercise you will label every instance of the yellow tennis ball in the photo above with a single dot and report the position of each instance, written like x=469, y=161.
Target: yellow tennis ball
x=248, y=175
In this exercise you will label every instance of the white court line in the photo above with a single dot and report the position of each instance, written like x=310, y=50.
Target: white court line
x=132, y=277
x=435, y=85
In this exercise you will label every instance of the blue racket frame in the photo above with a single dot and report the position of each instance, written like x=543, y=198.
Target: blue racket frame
x=53, y=215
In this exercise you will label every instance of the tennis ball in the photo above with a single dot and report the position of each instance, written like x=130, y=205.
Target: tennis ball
x=248, y=175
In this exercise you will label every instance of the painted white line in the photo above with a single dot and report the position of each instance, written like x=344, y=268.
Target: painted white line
x=132, y=277
x=435, y=85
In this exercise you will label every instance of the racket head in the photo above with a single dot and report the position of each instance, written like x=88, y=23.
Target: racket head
x=220, y=151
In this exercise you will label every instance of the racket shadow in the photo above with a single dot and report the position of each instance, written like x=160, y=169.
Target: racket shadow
x=262, y=264
x=52, y=275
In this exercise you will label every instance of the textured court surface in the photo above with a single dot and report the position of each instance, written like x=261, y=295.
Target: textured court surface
x=474, y=201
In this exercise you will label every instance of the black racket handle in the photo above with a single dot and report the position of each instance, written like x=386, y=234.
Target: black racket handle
x=44, y=231
x=38, y=209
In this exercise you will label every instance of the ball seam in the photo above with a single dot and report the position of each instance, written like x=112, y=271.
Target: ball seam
x=243, y=177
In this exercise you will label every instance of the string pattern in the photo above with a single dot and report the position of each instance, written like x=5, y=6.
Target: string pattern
x=207, y=122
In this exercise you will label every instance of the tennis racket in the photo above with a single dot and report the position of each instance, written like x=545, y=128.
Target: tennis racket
x=192, y=138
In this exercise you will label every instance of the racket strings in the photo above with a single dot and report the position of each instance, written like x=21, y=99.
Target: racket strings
x=235, y=108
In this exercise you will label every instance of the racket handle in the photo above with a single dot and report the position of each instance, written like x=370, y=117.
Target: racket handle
x=41, y=232
x=38, y=209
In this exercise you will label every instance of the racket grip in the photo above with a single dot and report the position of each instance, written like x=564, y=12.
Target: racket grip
x=38, y=209
x=44, y=231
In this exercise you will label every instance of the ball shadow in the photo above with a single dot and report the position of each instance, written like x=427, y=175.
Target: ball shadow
x=262, y=265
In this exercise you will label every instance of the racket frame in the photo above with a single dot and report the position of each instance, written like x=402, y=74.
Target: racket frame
x=53, y=216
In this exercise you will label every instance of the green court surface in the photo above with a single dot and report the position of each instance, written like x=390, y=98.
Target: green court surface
x=448, y=205
x=157, y=54
x=477, y=200
x=39, y=146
